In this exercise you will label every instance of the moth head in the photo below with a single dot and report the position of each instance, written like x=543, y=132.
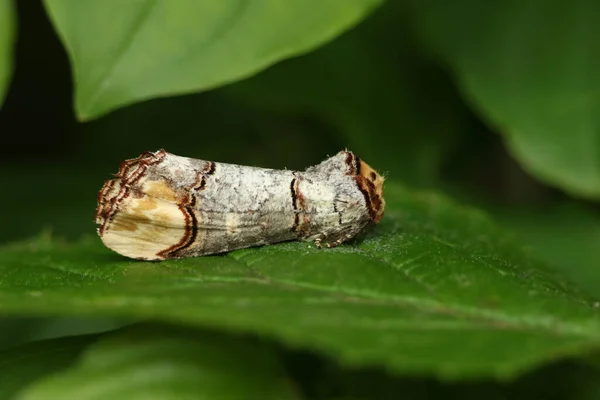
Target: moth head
x=370, y=183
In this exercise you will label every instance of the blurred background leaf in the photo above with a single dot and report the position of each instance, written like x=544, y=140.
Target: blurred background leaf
x=125, y=52
x=532, y=70
x=7, y=33
x=379, y=92
x=23, y=365
x=162, y=362
x=64, y=360
x=16, y=331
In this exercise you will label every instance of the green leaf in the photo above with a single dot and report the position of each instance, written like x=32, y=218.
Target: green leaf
x=7, y=33
x=564, y=235
x=379, y=94
x=533, y=71
x=435, y=288
x=159, y=362
x=25, y=364
x=125, y=52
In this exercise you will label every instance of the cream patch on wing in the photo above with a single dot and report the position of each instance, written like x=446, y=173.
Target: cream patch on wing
x=160, y=189
x=143, y=227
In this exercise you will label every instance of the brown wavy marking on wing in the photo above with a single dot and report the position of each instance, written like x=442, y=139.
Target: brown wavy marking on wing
x=130, y=172
x=191, y=222
x=294, y=205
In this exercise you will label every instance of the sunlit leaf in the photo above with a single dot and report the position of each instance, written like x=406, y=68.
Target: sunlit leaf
x=532, y=70
x=126, y=52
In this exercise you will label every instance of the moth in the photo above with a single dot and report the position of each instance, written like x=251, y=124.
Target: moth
x=162, y=206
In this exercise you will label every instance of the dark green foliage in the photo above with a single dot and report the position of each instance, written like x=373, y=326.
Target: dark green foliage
x=496, y=297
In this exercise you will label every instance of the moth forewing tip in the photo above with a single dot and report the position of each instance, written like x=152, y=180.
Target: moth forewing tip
x=145, y=227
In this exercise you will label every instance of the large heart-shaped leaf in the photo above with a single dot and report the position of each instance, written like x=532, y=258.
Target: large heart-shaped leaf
x=532, y=68
x=7, y=32
x=434, y=288
x=124, y=52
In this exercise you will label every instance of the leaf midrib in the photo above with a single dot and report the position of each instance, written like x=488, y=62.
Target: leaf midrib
x=491, y=318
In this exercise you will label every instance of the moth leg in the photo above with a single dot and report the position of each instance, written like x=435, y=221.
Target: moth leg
x=319, y=241
x=336, y=243
x=339, y=240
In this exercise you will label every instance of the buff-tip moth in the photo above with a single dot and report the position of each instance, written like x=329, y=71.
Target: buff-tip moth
x=161, y=206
